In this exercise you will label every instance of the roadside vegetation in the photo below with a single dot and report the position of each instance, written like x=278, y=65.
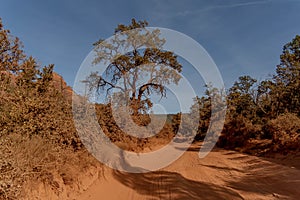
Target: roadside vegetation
x=263, y=117
x=38, y=139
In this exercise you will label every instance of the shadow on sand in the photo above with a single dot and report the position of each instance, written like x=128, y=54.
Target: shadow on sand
x=267, y=177
x=258, y=176
x=171, y=185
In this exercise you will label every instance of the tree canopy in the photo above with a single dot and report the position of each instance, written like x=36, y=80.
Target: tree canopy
x=136, y=66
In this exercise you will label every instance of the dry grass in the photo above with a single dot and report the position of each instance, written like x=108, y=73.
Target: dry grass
x=24, y=160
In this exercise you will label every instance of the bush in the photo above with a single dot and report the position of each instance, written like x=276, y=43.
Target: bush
x=122, y=138
x=285, y=131
x=237, y=132
x=26, y=161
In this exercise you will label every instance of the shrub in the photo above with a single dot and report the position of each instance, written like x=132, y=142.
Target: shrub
x=237, y=132
x=26, y=161
x=285, y=131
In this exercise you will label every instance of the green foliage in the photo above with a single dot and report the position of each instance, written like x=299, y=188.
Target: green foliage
x=241, y=97
x=202, y=106
x=287, y=78
x=281, y=94
x=237, y=132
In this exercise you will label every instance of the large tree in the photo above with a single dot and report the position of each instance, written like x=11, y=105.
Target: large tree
x=141, y=69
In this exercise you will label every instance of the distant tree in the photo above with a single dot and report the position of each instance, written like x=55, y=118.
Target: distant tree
x=145, y=69
x=201, y=107
x=265, y=108
x=242, y=96
x=208, y=108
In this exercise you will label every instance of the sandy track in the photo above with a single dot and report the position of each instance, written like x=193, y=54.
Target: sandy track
x=221, y=175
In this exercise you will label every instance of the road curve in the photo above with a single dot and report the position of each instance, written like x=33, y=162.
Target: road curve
x=222, y=174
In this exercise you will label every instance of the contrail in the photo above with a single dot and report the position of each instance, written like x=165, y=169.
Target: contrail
x=242, y=4
x=247, y=3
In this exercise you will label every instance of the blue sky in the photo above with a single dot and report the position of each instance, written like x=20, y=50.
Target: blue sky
x=242, y=36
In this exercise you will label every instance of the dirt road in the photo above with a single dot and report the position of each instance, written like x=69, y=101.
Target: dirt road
x=221, y=175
